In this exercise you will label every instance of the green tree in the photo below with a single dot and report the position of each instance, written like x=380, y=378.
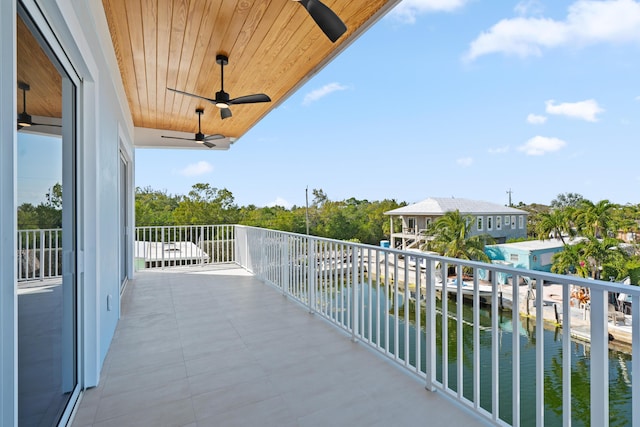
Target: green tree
x=595, y=258
x=154, y=207
x=595, y=219
x=565, y=200
x=554, y=223
x=626, y=218
x=27, y=217
x=570, y=260
x=206, y=205
x=319, y=197
x=605, y=259
x=451, y=238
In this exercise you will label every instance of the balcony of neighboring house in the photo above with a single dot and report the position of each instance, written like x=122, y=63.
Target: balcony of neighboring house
x=234, y=325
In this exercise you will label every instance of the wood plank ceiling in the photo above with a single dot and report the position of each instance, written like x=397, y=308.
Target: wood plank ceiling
x=273, y=47
x=34, y=68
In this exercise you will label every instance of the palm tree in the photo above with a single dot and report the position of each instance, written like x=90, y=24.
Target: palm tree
x=557, y=223
x=570, y=260
x=595, y=219
x=451, y=238
x=593, y=258
x=605, y=252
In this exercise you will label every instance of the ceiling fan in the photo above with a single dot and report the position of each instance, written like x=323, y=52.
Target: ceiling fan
x=326, y=19
x=222, y=100
x=200, y=137
x=24, y=119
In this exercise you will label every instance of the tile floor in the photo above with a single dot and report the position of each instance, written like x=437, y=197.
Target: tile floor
x=217, y=347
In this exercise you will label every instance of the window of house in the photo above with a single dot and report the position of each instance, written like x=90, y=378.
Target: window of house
x=479, y=223
x=489, y=223
x=498, y=223
x=513, y=221
x=411, y=224
x=521, y=221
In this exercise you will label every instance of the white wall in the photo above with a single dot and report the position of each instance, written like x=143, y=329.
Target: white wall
x=81, y=27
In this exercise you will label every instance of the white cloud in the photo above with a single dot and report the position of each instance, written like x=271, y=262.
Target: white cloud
x=584, y=110
x=529, y=7
x=325, y=90
x=407, y=10
x=195, y=169
x=535, y=119
x=465, y=162
x=540, y=145
x=637, y=98
x=499, y=150
x=279, y=201
x=588, y=22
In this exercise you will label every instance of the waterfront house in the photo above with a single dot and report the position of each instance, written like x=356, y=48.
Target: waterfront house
x=498, y=221
x=529, y=254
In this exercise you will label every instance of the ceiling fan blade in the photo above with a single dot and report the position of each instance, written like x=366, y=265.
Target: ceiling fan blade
x=327, y=20
x=192, y=94
x=250, y=99
x=46, y=124
x=177, y=137
x=225, y=113
x=212, y=137
x=209, y=144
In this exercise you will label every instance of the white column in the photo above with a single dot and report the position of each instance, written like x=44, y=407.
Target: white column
x=8, y=217
x=599, y=358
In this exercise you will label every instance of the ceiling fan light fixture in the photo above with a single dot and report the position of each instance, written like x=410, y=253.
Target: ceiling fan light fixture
x=24, y=119
x=222, y=105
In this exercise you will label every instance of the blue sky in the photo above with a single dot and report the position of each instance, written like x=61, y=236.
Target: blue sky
x=461, y=98
x=39, y=168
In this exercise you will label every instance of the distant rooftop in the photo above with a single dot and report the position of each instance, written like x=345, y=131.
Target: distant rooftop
x=442, y=205
x=536, y=245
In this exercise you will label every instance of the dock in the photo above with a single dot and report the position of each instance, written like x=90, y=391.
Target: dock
x=619, y=330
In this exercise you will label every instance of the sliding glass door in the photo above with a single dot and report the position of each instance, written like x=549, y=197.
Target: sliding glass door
x=47, y=285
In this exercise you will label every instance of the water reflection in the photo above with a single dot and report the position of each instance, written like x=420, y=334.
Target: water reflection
x=619, y=362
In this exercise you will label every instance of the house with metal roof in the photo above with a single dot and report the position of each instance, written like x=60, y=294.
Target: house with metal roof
x=498, y=221
x=530, y=254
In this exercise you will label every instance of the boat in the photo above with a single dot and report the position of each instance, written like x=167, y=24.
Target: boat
x=467, y=288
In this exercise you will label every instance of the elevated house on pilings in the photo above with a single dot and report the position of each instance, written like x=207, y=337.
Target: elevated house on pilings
x=498, y=221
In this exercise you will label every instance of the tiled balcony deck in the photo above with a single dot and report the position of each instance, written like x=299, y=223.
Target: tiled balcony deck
x=217, y=347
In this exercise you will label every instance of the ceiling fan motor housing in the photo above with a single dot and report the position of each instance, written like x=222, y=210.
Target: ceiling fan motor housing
x=222, y=99
x=24, y=119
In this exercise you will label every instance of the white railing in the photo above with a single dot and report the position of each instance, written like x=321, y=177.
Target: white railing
x=39, y=254
x=361, y=289
x=183, y=245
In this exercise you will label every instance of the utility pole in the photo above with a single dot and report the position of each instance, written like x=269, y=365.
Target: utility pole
x=306, y=194
x=509, y=192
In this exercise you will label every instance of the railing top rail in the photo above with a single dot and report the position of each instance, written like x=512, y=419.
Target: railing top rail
x=513, y=271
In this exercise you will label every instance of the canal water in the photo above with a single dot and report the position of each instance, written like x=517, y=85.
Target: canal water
x=619, y=362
